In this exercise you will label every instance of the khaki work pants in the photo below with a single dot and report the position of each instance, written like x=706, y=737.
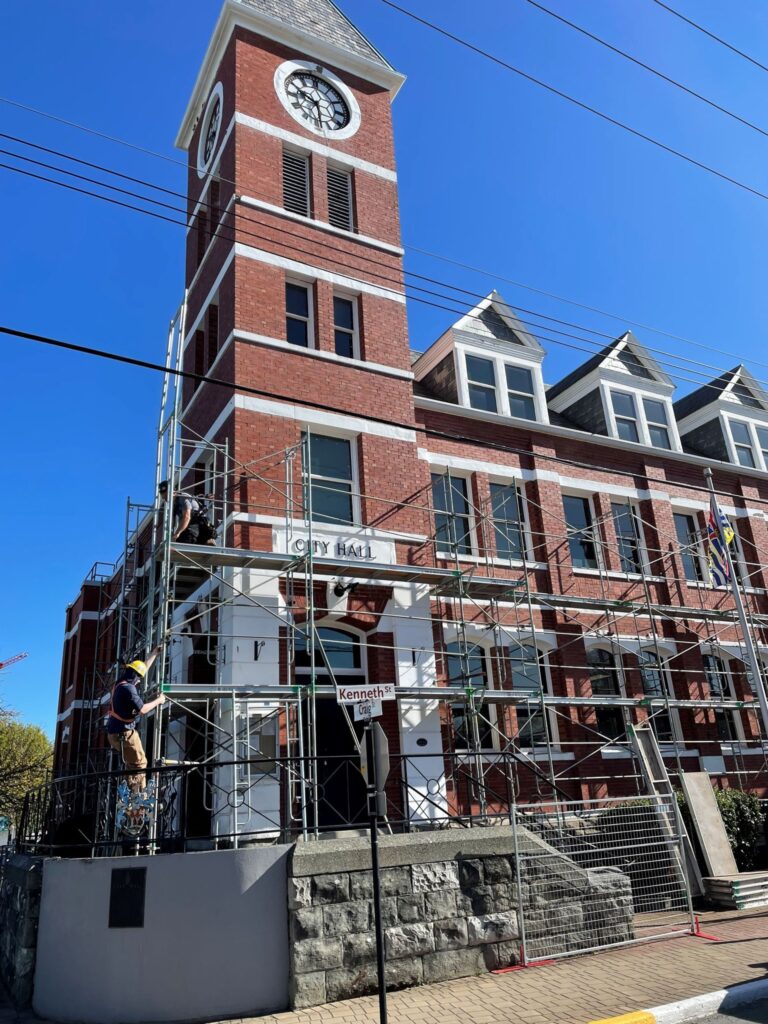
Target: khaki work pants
x=128, y=745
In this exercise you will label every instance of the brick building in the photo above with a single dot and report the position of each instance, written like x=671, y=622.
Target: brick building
x=525, y=563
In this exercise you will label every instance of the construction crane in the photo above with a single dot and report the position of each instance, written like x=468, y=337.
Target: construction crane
x=13, y=660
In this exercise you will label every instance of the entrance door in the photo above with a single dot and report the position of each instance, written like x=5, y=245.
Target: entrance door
x=341, y=798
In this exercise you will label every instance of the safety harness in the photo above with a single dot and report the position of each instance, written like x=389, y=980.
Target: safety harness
x=112, y=712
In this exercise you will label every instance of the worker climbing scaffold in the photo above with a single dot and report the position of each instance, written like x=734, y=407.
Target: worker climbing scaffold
x=125, y=708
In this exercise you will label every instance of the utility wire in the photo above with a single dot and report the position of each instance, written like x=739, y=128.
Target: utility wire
x=579, y=103
x=460, y=312
x=677, y=372
x=647, y=67
x=413, y=426
x=706, y=32
x=411, y=248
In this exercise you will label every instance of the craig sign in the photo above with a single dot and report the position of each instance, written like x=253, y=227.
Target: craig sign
x=359, y=692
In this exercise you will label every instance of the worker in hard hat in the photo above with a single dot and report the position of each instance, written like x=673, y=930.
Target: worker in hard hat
x=124, y=710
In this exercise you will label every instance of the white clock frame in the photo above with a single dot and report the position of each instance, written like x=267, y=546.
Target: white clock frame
x=203, y=165
x=283, y=73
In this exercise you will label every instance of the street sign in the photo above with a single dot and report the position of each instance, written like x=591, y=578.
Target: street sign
x=358, y=692
x=368, y=709
x=380, y=754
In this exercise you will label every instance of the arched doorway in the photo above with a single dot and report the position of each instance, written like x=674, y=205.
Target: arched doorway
x=339, y=655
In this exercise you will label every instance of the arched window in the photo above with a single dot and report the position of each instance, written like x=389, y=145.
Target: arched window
x=719, y=682
x=655, y=684
x=604, y=677
x=335, y=650
x=528, y=671
x=467, y=668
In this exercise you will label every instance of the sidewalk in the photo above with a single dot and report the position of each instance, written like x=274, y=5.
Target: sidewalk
x=577, y=990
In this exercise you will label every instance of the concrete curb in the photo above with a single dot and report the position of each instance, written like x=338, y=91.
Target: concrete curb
x=696, y=1007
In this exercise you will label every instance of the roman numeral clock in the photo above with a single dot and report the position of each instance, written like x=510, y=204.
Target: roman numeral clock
x=317, y=99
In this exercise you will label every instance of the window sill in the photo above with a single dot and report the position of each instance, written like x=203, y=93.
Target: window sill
x=695, y=585
x=533, y=753
x=739, y=747
x=613, y=575
x=615, y=753
x=502, y=563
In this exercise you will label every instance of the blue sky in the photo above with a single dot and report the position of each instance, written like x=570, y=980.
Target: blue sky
x=494, y=173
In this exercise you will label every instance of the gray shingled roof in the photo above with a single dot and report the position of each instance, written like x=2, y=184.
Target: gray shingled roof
x=322, y=19
x=704, y=395
x=582, y=371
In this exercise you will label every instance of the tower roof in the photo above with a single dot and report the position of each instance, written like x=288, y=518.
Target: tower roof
x=322, y=19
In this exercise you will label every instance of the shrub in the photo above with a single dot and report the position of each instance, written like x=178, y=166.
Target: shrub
x=743, y=820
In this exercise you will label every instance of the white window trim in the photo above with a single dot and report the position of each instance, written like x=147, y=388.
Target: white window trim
x=331, y=622
x=474, y=553
x=550, y=713
x=308, y=285
x=344, y=435
x=598, y=540
x=664, y=653
x=757, y=451
x=699, y=553
x=462, y=350
x=478, y=642
x=525, y=525
x=592, y=643
x=637, y=396
x=642, y=549
x=355, y=300
x=725, y=659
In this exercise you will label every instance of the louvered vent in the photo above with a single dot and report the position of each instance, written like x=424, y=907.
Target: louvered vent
x=340, y=198
x=296, y=183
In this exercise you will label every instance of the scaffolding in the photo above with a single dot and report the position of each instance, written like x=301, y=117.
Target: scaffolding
x=478, y=579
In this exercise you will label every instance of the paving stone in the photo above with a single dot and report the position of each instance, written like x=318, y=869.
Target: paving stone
x=344, y=918
x=409, y=940
x=451, y=934
x=435, y=877
x=330, y=888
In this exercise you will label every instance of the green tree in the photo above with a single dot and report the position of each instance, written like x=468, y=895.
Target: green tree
x=26, y=756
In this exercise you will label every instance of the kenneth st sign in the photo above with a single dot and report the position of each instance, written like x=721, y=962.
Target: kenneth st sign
x=358, y=692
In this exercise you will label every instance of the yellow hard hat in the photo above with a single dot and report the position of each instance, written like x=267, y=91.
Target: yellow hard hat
x=138, y=666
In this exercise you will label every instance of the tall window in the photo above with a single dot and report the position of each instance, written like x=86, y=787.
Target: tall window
x=466, y=666
x=345, y=326
x=212, y=335
x=507, y=506
x=214, y=203
x=654, y=685
x=627, y=537
x=520, y=391
x=762, y=440
x=335, y=650
x=658, y=424
x=626, y=416
x=298, y=314
x=331, y=478
x=340, y=199
x=688, y=539
x=742, y=442
x=453, y=529
x=581, y=535
x=716, y=676
x=202, y=234
x=296, y=182
x=604, y=677
x=529, y=677
x=481, y=381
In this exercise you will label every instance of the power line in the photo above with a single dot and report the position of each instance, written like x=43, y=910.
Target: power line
x=703, y=381
x=412, y=248
x=579, y=103
x=647, y=67
x=706, y=32
x=413, y=426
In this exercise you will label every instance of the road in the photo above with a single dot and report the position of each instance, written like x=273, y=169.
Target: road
x=757, y=1013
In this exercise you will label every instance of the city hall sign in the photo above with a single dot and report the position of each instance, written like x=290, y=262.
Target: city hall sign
x=349, y=546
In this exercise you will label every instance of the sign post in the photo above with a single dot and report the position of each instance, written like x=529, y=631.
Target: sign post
x=375, y=767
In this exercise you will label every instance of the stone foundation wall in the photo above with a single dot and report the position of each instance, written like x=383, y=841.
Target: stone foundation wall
x=19, y=914
x=450, y=906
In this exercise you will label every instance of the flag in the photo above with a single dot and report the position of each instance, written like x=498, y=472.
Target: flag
x=719, y=536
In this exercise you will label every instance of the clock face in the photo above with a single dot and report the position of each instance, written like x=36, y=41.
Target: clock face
x=316, y=102
x=212, y=130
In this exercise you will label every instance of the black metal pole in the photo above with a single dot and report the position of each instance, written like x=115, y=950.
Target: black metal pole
x=374, y=820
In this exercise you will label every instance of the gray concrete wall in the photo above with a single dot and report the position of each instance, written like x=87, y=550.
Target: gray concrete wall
x=214, y=942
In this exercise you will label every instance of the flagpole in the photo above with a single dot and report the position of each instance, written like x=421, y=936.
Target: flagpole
x=752, y=658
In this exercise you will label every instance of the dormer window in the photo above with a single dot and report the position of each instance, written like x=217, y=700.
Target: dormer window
x=658, y=423
x=641, y=419
x=481, y=383
x=750, y=443
x=625, y=414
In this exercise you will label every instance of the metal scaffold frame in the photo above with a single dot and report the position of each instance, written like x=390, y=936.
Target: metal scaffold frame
x=170, y=590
